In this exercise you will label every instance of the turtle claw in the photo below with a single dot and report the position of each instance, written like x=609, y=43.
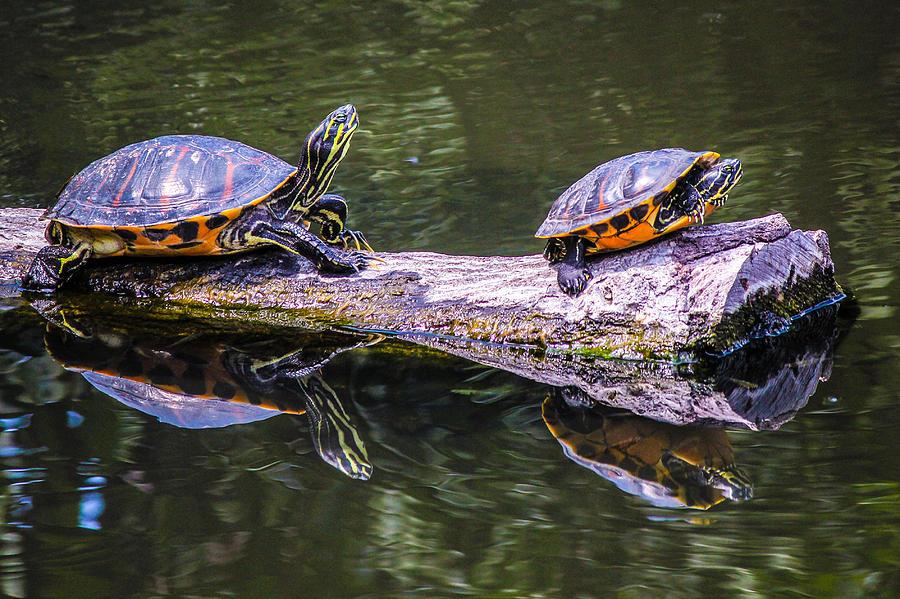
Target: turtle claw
x=358, y=260
x=373, y=262
x=573, y=281
x=341, y=262
x=365, y=260
x=348, y=259
x=350, y=239
x=697, y=214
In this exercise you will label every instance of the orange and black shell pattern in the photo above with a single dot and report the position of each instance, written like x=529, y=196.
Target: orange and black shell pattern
x=615, y=206
x=671, y=466
x=201, y=377
x=172, y=194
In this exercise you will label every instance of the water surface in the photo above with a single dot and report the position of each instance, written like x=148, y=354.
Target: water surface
x=475, y=116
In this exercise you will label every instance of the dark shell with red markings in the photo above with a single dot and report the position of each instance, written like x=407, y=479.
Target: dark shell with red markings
x=619, y=190
x=167, y=180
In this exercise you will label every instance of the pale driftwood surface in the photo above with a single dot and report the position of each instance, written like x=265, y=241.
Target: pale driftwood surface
x=653, y=300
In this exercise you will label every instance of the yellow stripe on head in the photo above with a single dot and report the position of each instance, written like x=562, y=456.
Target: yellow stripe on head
x=325, y=147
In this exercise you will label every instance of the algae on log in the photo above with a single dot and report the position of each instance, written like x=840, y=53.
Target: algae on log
x=703, y=288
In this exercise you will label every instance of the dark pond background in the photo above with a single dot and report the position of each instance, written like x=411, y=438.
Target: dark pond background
x=475, y=116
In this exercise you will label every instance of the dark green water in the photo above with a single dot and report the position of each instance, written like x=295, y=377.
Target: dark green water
x=475, y=116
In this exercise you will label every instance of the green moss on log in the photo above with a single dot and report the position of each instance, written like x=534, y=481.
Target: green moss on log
x=766, y=309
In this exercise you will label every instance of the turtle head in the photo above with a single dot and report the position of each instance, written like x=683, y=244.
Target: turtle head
x=323, y=150
x=720, y=179
x=731, y=481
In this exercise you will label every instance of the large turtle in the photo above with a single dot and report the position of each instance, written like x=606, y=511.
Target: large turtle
x=630, y=200
x=198, y=195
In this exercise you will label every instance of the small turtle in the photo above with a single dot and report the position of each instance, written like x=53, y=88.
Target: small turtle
x=630, y=200
x=670, y=466
x=196, y=195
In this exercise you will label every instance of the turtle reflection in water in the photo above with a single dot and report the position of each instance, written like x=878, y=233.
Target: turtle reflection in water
x=670, y=466
x=197, y=383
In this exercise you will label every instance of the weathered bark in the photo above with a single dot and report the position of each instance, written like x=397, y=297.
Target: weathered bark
x=704, y=287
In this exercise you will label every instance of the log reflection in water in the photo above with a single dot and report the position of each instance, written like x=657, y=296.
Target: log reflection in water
x=759, y=387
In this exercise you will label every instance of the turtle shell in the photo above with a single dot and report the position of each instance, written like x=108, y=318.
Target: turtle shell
x=174, y=192
x=618, y=200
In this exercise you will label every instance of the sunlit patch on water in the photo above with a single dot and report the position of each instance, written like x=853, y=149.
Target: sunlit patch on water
x=11, y=425
x=90, y=508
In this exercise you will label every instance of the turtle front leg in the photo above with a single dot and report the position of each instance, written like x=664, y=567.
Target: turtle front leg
x=694, y=206
x=573, y=274
x=298, y=240
x=555, y=250
x=53, y=266
x=331, y=212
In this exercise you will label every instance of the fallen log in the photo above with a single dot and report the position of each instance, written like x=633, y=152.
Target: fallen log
x=704, y=289
x=761, y=386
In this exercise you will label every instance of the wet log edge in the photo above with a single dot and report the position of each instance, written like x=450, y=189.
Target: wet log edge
x=701, y=289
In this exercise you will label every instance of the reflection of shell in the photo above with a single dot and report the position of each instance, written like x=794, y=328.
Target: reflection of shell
x=191, y=385
x=667, y=465
x=178, y=409
x=203, y=382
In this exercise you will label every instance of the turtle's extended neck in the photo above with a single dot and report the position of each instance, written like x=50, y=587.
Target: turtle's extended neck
x=320, y=155
x=299, y=192
x=315, y=171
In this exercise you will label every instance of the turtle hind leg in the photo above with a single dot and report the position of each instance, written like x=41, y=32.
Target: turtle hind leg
x=54, y=265
x=331, y=211
x=555, y=250
x=573, y=274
